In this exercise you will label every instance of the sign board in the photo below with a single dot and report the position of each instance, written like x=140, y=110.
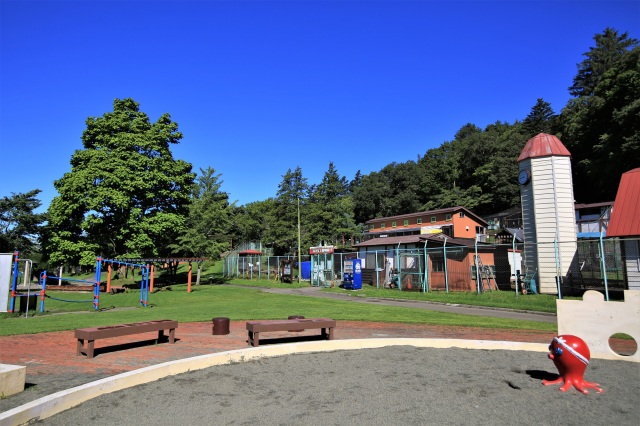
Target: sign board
x=6, y=261
x=321, y=250
x=434, y=229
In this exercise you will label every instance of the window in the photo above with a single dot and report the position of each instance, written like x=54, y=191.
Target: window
x=433, y=219
x=461, y=214
x=406, y=222
x=393, y=224
x=382, y=225
x=437, y=265
x=480, y=230
x=419, y=221
x=448, y=217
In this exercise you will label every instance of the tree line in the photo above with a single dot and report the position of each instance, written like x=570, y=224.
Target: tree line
x=126, y=196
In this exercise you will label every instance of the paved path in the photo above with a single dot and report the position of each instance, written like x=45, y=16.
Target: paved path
x=439, y=307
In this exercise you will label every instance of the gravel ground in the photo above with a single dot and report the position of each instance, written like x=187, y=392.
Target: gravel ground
x=391, y=386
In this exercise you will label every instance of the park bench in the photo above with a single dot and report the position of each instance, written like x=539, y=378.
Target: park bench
x=93, y=334
x=254, y=328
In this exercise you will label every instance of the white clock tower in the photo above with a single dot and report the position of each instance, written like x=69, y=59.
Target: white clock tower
x=548, y=212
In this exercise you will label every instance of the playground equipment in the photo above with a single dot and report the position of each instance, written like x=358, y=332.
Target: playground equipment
x=15, y=292
x=570, y=354
x=144, y=280
x=94, y=284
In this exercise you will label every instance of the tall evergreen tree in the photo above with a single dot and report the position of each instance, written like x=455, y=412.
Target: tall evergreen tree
x=601, y=127
x=609, y=49
x=208, y=224
x=541, y=119
x=283, y=223
x=329, y=212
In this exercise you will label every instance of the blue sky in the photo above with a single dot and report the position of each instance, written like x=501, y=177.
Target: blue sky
x=259, y=87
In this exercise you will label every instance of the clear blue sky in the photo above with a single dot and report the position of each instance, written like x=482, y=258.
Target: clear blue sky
x=258, y=87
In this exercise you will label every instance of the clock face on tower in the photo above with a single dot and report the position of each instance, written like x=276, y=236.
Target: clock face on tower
x=524, y=177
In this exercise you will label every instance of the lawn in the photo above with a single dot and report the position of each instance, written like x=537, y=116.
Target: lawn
x=235, y=302
x=244, y=300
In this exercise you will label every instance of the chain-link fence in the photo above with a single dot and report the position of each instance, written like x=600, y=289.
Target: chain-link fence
x=563, y=268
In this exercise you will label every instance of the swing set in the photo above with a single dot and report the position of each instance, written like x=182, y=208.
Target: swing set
x=94, y=284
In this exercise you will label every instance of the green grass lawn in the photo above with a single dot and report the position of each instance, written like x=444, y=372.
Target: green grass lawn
x=237, y=303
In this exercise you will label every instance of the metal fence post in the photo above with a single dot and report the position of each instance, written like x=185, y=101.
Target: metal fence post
x=446, y=271
x=604, y=267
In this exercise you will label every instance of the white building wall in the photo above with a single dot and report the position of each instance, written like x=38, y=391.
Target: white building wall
x=549, y=220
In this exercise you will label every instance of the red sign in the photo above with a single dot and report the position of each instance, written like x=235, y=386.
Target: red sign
x=321, y=250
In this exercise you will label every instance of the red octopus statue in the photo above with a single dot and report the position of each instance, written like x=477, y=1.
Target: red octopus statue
x=571, y=355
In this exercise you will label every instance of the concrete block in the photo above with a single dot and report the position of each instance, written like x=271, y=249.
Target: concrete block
x=12, y=379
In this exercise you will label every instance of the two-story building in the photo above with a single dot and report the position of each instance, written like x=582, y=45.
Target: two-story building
x=457, y=222
x=398, y=245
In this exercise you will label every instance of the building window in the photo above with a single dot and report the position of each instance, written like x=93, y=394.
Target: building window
x=461, y=214
x=433, y=219
x=419, y=221
x=448, y=217
x=480, y=230
x=406, y=222
x=393, y=224
x=437, y=265
x=382, y=225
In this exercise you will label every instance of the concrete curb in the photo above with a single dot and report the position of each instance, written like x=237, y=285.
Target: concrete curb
x=63, y=400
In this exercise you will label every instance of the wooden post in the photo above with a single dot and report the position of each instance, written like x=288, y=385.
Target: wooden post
x=153, y=268
x=109, y=278
x=189, y=279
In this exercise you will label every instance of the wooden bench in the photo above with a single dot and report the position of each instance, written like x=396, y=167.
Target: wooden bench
x=93, y=334
x=254, y=328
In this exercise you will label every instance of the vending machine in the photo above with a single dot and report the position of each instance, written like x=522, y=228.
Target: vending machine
x=352, y=278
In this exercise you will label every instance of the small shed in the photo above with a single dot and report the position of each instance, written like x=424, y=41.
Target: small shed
x=625, y=224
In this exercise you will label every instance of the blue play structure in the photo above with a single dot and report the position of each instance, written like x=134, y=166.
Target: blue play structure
x=95, y=284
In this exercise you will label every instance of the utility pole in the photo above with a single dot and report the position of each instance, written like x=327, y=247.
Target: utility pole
x=299, y=263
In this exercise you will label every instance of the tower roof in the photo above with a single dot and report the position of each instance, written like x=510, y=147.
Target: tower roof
x=543, y=145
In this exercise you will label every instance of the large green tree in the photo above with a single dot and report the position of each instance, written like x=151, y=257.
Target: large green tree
x=20, y=226
x=125, y=194
x=601, y=127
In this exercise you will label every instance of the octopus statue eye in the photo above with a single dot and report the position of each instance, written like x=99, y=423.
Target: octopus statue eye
x=558, y=351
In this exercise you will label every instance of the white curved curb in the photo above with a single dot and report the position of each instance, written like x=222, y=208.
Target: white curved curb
x=55, y=403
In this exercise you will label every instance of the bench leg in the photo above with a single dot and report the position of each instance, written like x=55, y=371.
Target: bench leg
x=172, y=335
x=329, y=335
x=90, y=348
x=160, y=336
x=79, y=346
x=254, y=338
